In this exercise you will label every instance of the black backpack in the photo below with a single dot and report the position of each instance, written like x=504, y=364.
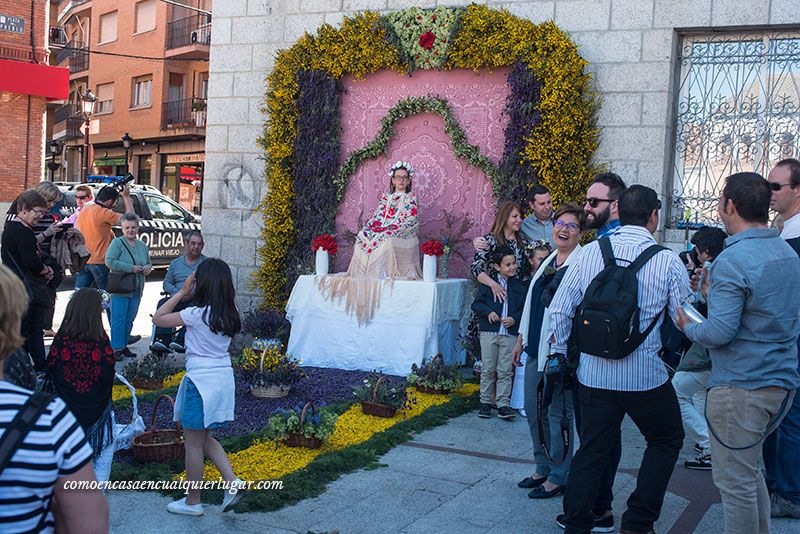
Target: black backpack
x=606, y=323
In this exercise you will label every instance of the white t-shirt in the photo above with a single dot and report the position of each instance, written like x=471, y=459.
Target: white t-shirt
x=791, y=227
x=200, y=340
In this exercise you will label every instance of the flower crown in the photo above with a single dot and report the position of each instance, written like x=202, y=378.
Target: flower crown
x=540, y=244
x=105, y=298
x=402, y=165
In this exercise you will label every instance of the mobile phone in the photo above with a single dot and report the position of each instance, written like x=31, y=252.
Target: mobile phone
x=66, y=226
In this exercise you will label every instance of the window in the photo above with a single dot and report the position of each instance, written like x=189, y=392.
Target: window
x=105, y=98
x=204, y=85
x=737, y=110
x=145, y=16
x=108, y=27
x=142, y=90
x=161, y=208
x=119, y=207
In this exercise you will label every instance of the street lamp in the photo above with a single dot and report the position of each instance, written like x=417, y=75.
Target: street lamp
x=87, y=107
x=55, y=151
x=126, y=142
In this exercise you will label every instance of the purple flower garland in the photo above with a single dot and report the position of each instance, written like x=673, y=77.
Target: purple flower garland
x=523, y=116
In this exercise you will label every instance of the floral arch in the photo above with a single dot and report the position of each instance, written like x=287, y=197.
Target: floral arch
x=550, y=136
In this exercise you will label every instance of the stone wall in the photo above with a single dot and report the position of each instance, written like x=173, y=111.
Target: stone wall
x=631, y=46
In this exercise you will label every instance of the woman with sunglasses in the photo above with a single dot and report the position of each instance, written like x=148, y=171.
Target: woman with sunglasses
x=550, y=476
x=21, y=253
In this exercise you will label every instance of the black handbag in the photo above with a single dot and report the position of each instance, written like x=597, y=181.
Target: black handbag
x=39, y=291
x=122, y=282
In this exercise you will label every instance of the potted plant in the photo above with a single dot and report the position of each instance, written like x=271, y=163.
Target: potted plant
x=431, y=249
x=269, y=372
x=304, y=427
x=382, y=399
x=149, y=371
x=199, y=113
x=268, y=326
x=435, y=377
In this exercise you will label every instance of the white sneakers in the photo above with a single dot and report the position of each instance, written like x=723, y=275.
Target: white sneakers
x=232, y=496
x=181, y=508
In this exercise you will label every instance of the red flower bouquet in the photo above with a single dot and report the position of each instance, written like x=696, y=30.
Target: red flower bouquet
x=426, y=40
x=432, y=248
x=326, y=242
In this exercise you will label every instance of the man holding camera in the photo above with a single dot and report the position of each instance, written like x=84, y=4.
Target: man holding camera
x=95, y=222
x=635, y=383
x=751, y=333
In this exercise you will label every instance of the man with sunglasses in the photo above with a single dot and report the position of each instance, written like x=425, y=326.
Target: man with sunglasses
x=636, y=385
x=600, y=205
x=83, y=196
x=782, y=447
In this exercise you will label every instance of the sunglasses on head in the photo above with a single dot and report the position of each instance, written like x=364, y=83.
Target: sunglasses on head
x=593, y=201
x=777, y=187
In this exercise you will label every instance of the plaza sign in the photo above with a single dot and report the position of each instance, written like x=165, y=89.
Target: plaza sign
x=12, y=24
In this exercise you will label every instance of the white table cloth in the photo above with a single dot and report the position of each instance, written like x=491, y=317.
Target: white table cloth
x=414, y=321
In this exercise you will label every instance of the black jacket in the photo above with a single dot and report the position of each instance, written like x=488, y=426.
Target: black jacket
x=484, y=304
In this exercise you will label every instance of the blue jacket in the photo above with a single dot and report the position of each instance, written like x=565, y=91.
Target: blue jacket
x=484, y=304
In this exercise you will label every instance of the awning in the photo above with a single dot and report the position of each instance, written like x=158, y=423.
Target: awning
x=34, y=79
x=108, y=162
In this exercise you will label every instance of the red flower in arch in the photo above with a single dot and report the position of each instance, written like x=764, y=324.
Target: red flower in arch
x=426, y=40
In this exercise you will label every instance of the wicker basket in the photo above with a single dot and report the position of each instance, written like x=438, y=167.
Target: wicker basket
x=297, y=439
x=270, y=392
x=147, y=383
x=275, y=391
x=371, y=407
x=428, y=389
x=159, y=445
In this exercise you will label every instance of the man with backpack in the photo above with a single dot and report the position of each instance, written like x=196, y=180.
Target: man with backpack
x=614, y=297
x=751, y=333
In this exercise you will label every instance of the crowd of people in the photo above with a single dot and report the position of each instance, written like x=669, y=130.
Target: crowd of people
x=57, y=418
x=590, y=346
x=572, y=337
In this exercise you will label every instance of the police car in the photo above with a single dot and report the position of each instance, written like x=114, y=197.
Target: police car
x=164, y=222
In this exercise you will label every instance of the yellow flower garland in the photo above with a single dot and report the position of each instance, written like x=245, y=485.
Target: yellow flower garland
x=266, y=461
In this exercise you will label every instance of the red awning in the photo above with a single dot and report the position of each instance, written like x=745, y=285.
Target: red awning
x=34, y=79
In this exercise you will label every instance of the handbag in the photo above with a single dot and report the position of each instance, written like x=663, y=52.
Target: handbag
x=39, y=291
x=122, y=282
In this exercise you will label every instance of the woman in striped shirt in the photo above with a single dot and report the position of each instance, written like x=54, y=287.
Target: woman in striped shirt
x=52, y=454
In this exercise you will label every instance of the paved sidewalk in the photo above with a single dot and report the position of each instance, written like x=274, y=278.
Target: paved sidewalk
x=457, y=478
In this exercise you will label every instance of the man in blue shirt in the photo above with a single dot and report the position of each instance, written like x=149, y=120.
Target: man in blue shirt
x=538, y=226
x=751, y=333
x=179, y=270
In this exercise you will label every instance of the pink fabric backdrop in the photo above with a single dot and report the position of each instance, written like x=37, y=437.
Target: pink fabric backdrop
x=443, y=183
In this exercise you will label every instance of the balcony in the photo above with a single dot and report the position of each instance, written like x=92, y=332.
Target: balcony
x=74, y=124
x=186, y=113
x=78, y=55
x=64, y=112
x=70, y=7
x=189, y=38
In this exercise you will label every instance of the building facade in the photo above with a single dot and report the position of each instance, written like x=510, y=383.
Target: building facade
x=27, y=82
x=146, y=62
x=691, y=90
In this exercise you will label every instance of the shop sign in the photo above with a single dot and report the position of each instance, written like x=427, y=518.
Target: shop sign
x=185, y=158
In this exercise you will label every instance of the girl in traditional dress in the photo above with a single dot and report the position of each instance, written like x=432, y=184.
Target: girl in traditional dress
x=387, y=248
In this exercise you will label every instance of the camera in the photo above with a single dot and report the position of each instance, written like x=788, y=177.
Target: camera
x=120, y=184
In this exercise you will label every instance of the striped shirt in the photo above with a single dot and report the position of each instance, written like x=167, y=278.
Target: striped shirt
x=55, y=447
x=663, y=283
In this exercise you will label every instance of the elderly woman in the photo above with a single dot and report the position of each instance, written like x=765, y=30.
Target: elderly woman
x=126, y=254
x=52, y=450
x=505, y=231
x=22, y=254
x=387, y=248
x=550, y=477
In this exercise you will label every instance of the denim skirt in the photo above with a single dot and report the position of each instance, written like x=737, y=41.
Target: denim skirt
x=192, y=417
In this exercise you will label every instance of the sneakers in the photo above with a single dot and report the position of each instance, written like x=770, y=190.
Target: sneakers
x=158, y=346
x=133, y=339
x=128, y=353
x=602, y=523
x=698, y=448
x=701, y=463
x=177, y=347
x=119, y=355
x=181, y=508
x=233, y=495
x=783, y=507
x=504, y=412
x=485, y=412
x=522, y=413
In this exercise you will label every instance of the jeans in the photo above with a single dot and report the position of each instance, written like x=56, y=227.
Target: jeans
x=166, y=335
x=92, y=273
x=496, y=368
x=691, y=390
x=123, y=312
x=658, y=417
x=555, y=473
x=739, y=417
